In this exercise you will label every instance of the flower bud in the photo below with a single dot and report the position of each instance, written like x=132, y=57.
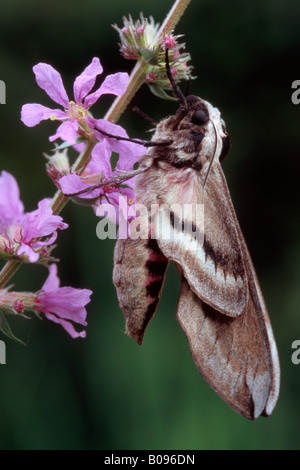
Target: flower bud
x=58, y=164
x=139, y=40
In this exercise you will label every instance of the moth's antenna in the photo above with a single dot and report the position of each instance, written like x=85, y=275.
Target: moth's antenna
x=145, y=143
x=176, y=90
x=214, y=154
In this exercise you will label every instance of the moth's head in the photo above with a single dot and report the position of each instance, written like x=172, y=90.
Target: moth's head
x=204, y=122
x=199, y=117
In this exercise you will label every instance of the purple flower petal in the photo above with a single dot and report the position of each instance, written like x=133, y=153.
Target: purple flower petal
x=11, y=207
x=33, y=113
x=114, y=84
x=29, y=252
x=50, y=81
x=100, y=161
x=129, y=152
x=48, y=241
x=85, y=81
x=67, y=131
x=41, y=222
x=52, y=281
x=72, y=184
x=122, y=200
x=66, y=302
x=67, y=326
x=110, y=128
x=63, y=304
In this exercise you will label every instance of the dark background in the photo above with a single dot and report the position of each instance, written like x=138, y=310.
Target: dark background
x=105, y=392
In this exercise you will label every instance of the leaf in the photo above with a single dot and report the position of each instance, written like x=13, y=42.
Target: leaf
x=5, y=328
x=151, y=57
x=161, y=93
x=67, y=144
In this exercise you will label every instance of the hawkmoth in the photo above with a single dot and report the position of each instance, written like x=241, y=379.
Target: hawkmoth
x=220, y=307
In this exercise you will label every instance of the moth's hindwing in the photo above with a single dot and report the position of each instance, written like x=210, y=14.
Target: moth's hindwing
x=237, y=356
x=233, y=355
x=139, y=273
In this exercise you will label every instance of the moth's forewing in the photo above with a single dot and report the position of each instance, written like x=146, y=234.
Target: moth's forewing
x=214, y=266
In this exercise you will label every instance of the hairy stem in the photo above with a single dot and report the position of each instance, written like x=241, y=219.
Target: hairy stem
x=139, y=72
x=7, y=272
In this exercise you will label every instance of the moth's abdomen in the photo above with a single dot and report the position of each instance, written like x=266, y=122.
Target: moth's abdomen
x=139, y=274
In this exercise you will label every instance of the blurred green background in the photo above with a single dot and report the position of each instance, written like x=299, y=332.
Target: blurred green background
x=105, y=392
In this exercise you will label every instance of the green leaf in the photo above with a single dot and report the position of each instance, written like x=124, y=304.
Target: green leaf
x=161, y=93
x=67, y=144
x=149, y=56
x=5, y=328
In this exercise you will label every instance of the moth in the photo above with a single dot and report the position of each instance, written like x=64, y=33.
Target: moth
x=220, y=307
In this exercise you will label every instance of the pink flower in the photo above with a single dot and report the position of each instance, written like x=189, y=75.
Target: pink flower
x=129, y=152
x=63, y=305
x=99, y=170
x=23, y=234
x=11, y=208
x=75, y=115
x=169, y=41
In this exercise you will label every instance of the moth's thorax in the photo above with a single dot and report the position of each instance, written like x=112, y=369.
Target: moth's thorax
x=196, y=137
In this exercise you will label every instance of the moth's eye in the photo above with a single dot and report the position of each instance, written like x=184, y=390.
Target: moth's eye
x=199, y=117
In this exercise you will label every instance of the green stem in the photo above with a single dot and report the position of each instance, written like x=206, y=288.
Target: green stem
x=118, y=107
x=7, y=272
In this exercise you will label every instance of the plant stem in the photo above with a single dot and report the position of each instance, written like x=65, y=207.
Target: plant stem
x=118, y=107
x=140, y=70
x=7, y=272
x=59, y=201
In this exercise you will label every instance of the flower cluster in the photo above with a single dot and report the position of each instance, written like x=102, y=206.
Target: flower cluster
x=62, y=305
x=78, y=123
x=137, y=38
x=29, y=236
x=75, y=115
x=140, y=40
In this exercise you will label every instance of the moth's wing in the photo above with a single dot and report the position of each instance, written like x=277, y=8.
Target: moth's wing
x=139, y=273
x=237, y=356
x=210, y=254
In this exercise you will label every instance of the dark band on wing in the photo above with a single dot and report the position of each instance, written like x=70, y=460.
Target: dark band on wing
x=156, y=266
x=229, y=264
x=184, y=225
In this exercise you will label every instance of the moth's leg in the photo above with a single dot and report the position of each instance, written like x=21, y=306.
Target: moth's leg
x=144, y=115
